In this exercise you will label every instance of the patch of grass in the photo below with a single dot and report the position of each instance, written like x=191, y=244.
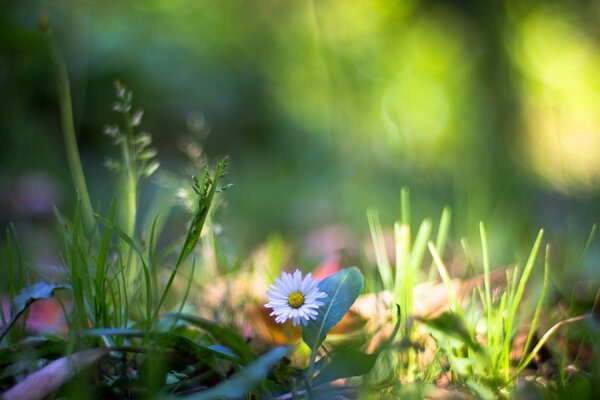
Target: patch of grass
x=131, y=328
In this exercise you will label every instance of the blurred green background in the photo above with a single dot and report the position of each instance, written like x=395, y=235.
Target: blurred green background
x=326, y=108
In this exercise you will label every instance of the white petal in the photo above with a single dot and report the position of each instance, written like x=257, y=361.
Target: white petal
x=279, y=303
x=289, y=282
x=310, y=311
x=297, y=280
x=306, y=282
x=276, y=294
x=281, y=286
x=312, y=285
x=279, y=289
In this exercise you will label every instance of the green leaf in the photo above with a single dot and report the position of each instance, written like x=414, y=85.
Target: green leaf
x=345, y=364
x=453, y=326
x=27, y=296
x=243, y=381
x=342, y=289
x=30, y=294
x=199, y=351
x=223, y=335
x=125, y=332
x=192, y=348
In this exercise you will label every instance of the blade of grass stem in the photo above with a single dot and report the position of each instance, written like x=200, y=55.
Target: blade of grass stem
x=152, y=258
x=404, y=280
x=420, y=246
x=101, y=267
x=405, y=205
x=186, y=294
x=468, y=256
x=516, y=300
x=69, y=136
x=381, y=256
x=540, y=303
x=486, y=280
x=453, y=300
x=441, y=238
x=544, y=339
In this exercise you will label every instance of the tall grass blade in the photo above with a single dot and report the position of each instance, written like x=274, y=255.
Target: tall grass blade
x=101, y=273
x=69, y=136
x=381, y=256
x=420, y=246
x=405, y=205
x=516, y=300
x=403, y=282
x=441, y=237
x=538, y=309
x=445, y=277
x=486, y=280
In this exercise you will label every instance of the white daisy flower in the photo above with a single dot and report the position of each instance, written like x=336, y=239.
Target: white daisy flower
x=295, y=298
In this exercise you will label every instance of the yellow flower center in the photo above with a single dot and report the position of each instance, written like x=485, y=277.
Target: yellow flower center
x=296, y=299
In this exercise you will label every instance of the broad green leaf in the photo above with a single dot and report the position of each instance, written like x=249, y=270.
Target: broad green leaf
x=180, y=343
x=243, y=381
x=345, y=364
x=223, y=335
x=342, y=289
x=125, y=332
x=28, y=295
x=226, y=351
x=199, y=351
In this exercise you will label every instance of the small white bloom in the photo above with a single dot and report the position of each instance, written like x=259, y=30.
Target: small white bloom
x=295, y=298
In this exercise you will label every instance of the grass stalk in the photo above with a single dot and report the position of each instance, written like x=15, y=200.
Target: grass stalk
x=441, y=238
x=68, y=130
x=545, y=338
x=381, y=256
x=516, y=300
x=486, y=281
x=443, y=271
x=405, y=205
x=538, y=309
x=404, y=280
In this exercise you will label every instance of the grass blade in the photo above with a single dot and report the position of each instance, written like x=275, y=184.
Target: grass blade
x=381, y=257
x=486, y=279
